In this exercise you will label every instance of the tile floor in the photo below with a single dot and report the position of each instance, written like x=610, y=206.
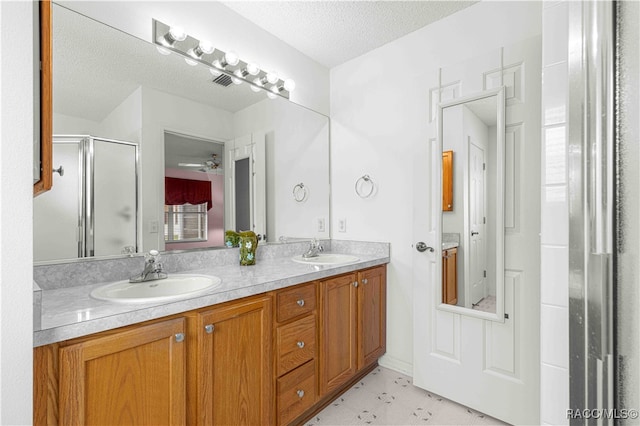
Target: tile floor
x=386, y=397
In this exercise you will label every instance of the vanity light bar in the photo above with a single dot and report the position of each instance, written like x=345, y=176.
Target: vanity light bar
x=220, y=62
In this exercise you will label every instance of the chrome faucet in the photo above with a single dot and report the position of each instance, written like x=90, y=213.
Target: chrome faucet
x=314, y=249
x=152, y=269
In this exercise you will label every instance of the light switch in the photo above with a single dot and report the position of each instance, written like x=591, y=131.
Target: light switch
x=153, y=226
x=320, y=222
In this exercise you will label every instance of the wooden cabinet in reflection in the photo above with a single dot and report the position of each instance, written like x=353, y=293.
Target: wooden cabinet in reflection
x=449, y=276
x=447, y=181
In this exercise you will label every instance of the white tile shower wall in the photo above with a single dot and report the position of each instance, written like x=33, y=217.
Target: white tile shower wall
x=379, y=123
x=554, y=313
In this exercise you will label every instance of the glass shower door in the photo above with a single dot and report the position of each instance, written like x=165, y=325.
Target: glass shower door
x=113, y=198
x=57, y=214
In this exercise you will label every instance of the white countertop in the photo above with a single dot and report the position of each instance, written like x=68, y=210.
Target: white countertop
x=449, y=245
x=70, y=312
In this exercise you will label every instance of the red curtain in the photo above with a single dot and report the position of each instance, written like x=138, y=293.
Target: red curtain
x=182, y=191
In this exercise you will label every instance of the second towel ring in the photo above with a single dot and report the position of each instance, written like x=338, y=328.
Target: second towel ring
x=363, y=181
x=300, y=192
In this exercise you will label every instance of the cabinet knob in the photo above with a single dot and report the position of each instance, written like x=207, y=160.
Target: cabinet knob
x=300, y=393
x=300, y=302
x=209, y=328
x=364, y=281
x=300, y=344
x=179, y=337
x=355, y=284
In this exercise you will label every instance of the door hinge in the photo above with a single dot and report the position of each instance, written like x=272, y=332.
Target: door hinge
x=484, y=166
x=484, y=274
x=484, y=220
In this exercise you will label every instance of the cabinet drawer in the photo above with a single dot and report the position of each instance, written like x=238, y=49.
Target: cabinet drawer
x=296, y=344
x=296, y=392
x=297, y=301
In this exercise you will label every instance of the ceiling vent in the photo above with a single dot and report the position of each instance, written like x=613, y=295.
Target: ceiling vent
x=223, y=80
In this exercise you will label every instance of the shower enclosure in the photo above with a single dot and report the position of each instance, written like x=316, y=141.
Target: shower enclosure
x=92, y=209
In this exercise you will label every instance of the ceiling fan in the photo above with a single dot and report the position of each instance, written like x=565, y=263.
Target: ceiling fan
x=205, y=166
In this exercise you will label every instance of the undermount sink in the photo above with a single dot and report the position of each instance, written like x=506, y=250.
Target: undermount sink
x=171, y=288
x=326, y=259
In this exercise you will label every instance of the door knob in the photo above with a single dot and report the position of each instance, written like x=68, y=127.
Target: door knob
x=421, y=247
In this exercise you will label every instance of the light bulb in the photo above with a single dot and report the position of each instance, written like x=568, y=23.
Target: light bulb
x=162, y=50
x=237, y=80
x=231, y=58
x=170, y=38
x=253, y=69
x=289, y=85
x=239, y=73
x=191, y=62
x=214, y=72
x=177, y=33
x=272, y=77
x=258, y=85
x=217, y=64
x=206, y=47
x=270, y=95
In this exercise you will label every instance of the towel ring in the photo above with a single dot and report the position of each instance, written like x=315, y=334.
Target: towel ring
x=364, y=179
x=300, y=192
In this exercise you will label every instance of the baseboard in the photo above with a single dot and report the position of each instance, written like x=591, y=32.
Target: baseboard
x=396, y=365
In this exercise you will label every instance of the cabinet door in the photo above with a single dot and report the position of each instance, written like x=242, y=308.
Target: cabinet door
x=447, y=181
x=133, y=377
x=338, y=331
x=234, y=364
x=372, y=312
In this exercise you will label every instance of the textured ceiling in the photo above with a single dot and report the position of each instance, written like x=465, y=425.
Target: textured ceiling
x=333, y=32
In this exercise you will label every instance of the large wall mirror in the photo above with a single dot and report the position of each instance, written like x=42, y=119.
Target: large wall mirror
x=188, y=132
x=471, y=137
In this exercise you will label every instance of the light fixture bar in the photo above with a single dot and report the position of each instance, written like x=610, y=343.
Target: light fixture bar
x=219, y=61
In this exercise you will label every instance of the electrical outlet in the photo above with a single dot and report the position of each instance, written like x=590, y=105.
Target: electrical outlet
x=342, y=225
x=153, y=226
x=320, y=222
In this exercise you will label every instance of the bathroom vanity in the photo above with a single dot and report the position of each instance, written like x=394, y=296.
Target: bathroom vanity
x=260, y=357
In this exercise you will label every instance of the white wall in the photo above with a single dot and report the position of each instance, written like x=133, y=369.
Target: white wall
x=296, y=141
x=554, y=250
x=226, y=30
x=125, y=121
x=379, y=112
x=16, y=192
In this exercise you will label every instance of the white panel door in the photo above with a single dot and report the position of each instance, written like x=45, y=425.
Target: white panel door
x=490, y=366
x=477, y=247
x=250, y=147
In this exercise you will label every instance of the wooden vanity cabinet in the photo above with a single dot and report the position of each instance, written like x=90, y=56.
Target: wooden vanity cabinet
x=450, y=276
x=353, y=332
x=230, y=375
x=296, y=343
x=135, y=375
x=277, y=357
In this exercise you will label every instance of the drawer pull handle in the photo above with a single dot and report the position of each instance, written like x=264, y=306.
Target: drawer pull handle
x=300, y=344
x=355, y=284
x=364, y=281
x=300, y=393
x=179, y=337
x=209, y=328
x=300, y=302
